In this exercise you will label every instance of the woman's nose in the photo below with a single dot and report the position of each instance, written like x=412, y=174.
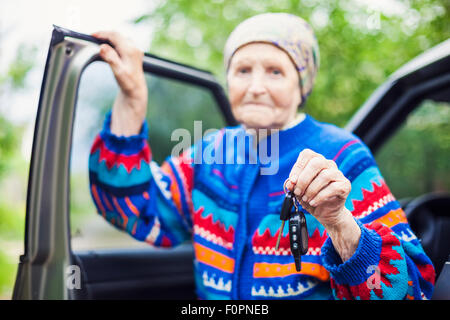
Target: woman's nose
x=257, y=85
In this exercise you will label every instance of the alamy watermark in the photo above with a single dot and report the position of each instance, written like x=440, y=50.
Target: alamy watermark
x=73, y=277
x=230, y=146
x=374, y=281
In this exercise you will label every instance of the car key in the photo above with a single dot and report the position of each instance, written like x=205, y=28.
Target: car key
x=298, y=237
x=285, y=214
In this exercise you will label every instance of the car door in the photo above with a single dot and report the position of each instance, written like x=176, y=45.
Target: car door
x=53, y=265
x=406, y=124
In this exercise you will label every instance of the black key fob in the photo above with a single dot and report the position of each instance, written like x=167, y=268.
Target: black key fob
x=288, y=203
x=298, y=236
x=285, y=213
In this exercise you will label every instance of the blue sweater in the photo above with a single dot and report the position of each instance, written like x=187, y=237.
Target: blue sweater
x=230, y=212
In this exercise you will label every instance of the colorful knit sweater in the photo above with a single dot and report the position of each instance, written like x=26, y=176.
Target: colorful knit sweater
x=230, y=212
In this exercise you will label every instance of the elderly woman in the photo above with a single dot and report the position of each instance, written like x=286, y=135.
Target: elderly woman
x=360, y=243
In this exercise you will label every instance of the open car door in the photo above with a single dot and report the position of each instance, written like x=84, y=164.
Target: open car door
x=53, y=266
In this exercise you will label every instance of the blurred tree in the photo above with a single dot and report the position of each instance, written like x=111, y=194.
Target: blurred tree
x=22, y=64
x=415, y=160
x=12, y=213
x=12, y=79
x=9, y=138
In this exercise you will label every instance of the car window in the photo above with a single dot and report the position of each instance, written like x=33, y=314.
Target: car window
x=172, y=104
x=415, y=160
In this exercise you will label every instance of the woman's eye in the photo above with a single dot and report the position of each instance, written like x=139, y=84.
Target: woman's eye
x=276, y=71
x=243, y=70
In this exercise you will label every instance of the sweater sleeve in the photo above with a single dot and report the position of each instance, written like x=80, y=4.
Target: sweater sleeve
x=389, y=262
x=152, y=203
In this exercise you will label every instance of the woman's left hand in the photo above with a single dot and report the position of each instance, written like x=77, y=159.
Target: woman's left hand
x=322, y=189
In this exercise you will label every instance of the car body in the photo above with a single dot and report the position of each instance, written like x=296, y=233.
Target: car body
x=145, y=273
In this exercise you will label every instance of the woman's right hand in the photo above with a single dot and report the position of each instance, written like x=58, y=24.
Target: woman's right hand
x=125, y=60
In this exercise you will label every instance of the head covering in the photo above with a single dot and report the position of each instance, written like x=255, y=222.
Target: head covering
x=286, y=31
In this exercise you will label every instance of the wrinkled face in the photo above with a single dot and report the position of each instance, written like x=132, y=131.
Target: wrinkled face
x=263, y=86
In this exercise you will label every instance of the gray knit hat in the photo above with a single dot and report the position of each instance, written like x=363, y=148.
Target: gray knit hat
x=286, y=31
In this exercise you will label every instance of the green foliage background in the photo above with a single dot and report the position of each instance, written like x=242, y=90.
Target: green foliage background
x=12, y=167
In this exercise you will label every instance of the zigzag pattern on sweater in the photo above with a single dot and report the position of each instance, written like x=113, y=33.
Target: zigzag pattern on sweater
x=219, y=285
x=272, y=251
x=372, y=200
x=377, y=204
x=284, y=252
x=112, y=158
x=286, y=292
x=208, y=235
x=265, y=244
x=216, y=232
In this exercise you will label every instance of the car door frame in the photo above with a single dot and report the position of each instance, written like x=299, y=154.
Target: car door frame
x=47, y=249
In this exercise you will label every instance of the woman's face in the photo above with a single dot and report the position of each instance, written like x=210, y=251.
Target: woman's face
x=263, y=86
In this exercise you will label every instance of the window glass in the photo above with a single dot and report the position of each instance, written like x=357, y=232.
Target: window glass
x=415, y=160
x=172, y=104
